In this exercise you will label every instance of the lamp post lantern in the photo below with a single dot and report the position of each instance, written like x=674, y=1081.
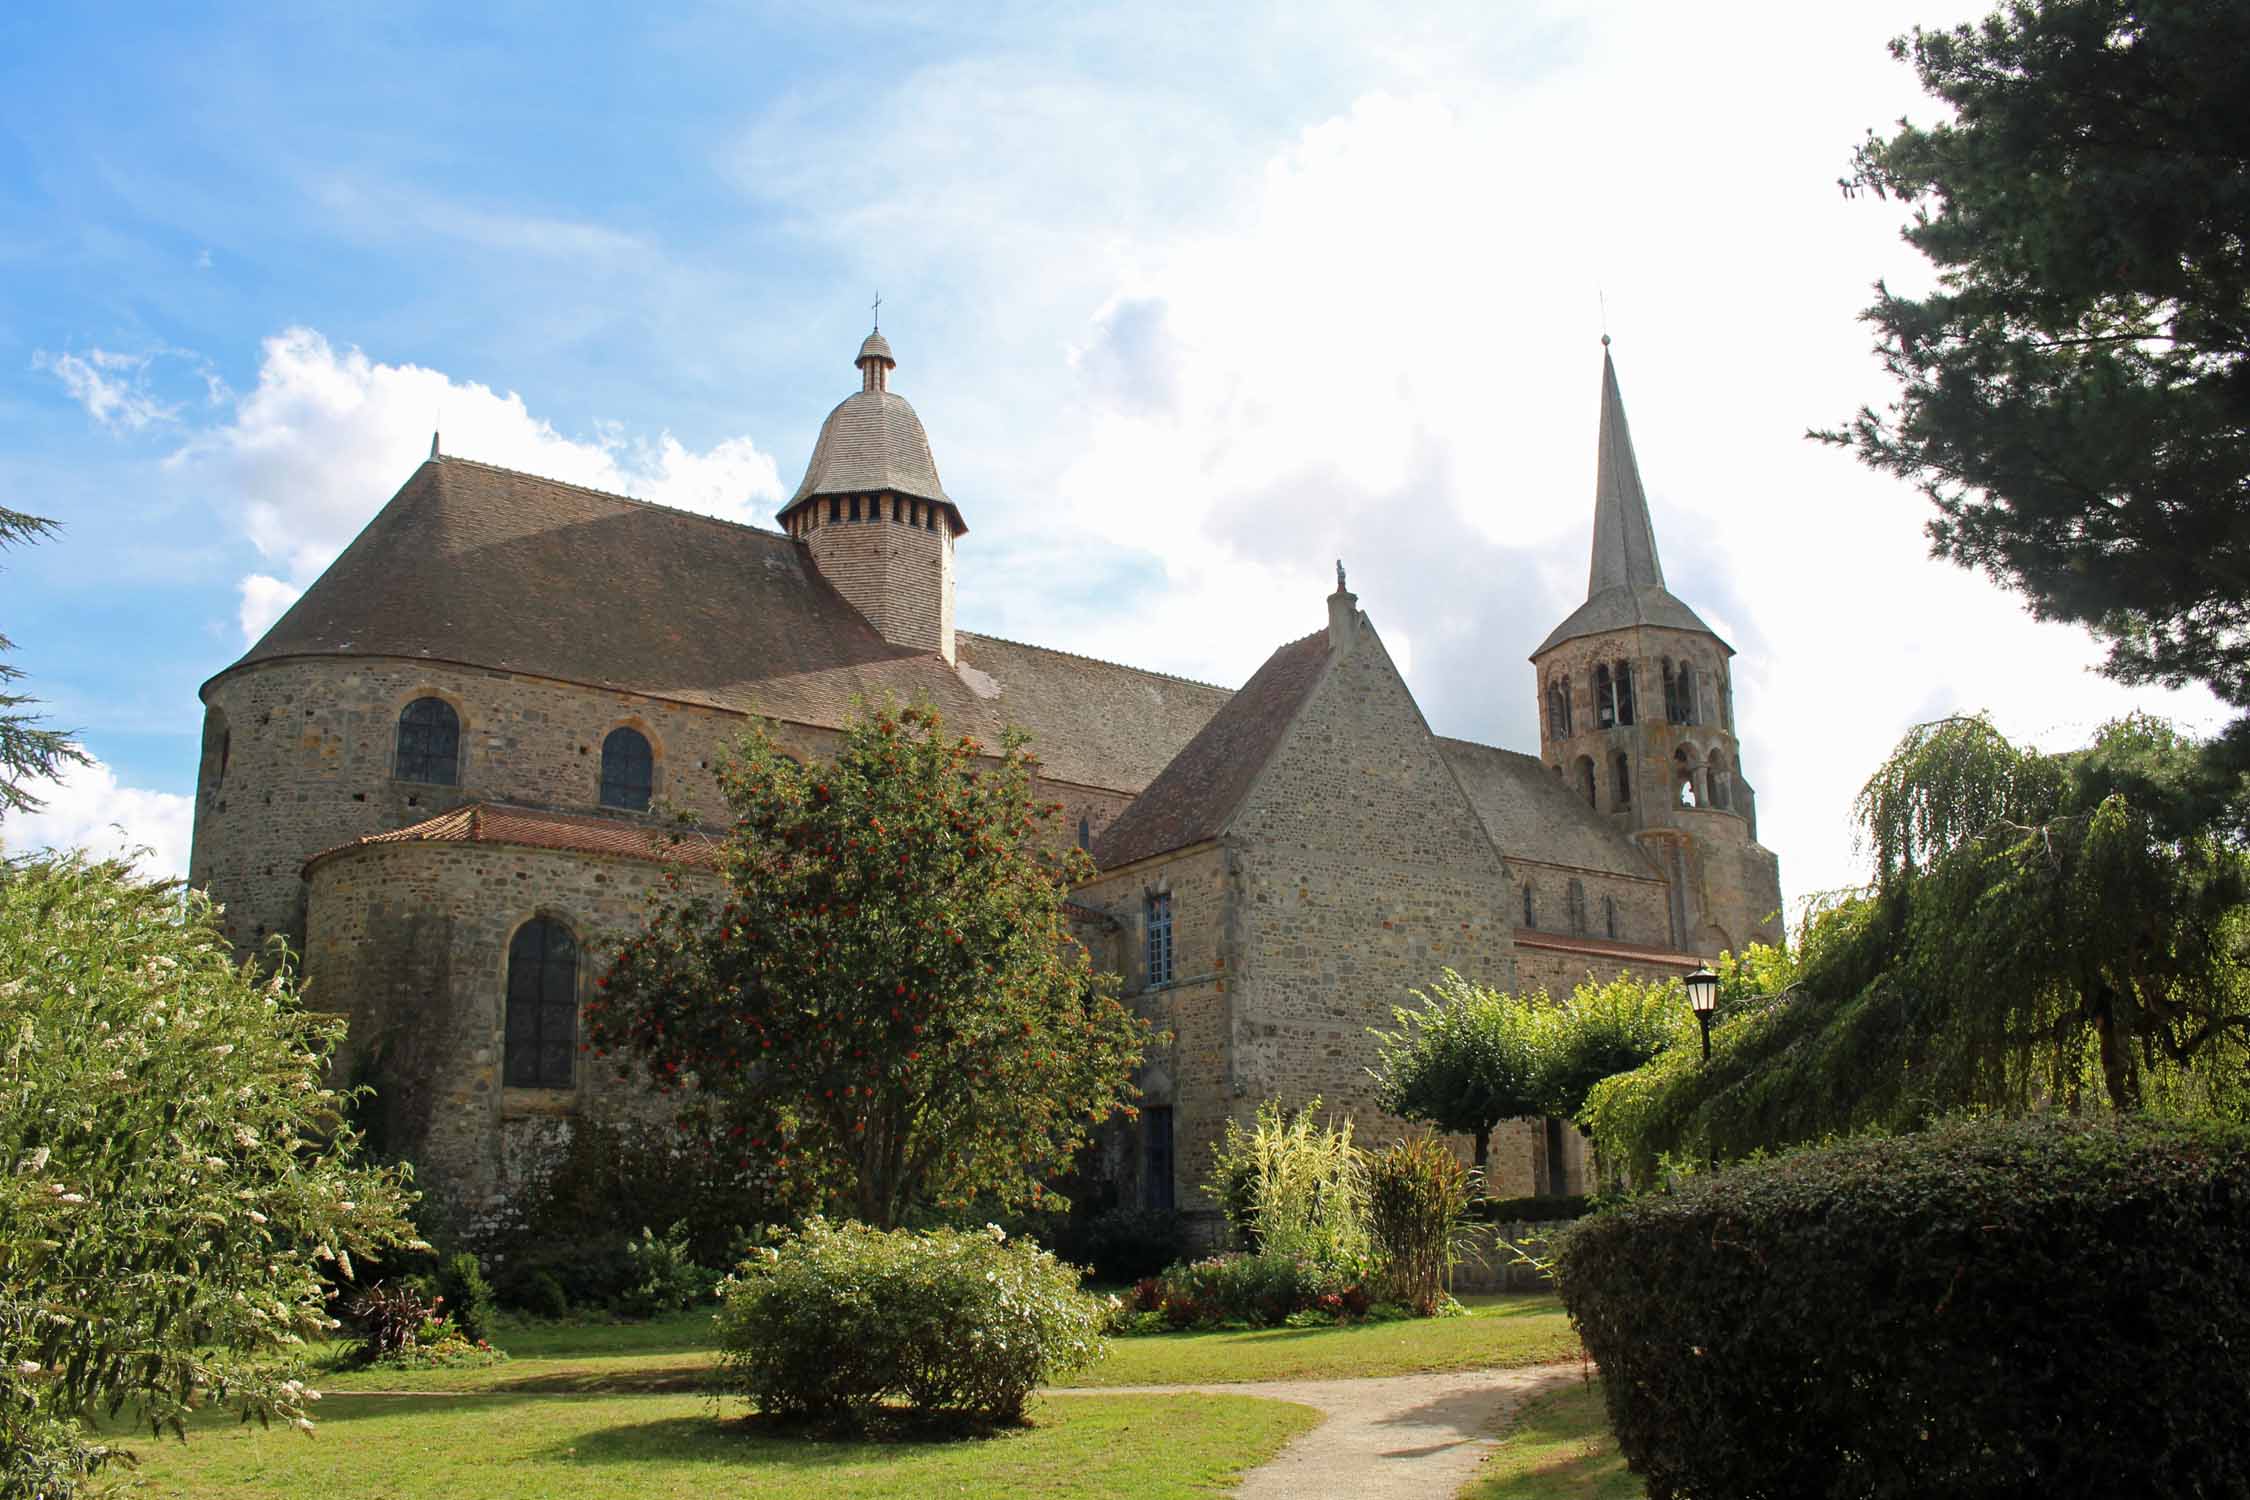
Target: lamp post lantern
x=1703, y=995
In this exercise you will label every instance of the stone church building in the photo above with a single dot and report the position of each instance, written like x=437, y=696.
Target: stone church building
x=437, y=777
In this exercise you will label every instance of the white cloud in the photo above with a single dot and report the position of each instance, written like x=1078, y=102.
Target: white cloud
x=265, y=599
x=88, y=809
x=1369, y=331
x=310, y=453
x=112, y=387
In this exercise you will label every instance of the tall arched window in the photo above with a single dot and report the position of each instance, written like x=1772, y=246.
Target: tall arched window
x=1621, y=770
x=1556, y=728
x=1605, y=697
x=1085, y=834
x=1577, y=899
x=1686, y=774
x=1624, y=692
x=1687, y=692
x=628, y=769
x=1586, y=784
x=1567, y=727
x=1715, y=779
x=542, y=1022
x=1609, y=915
x=1530, y=907
x=429, y=743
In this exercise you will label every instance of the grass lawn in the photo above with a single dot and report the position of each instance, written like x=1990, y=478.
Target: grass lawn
x=498, y=1446
x=675, y=1354
x=1558, y=1448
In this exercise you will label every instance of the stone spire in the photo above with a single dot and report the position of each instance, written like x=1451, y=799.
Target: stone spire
x=1624, y=537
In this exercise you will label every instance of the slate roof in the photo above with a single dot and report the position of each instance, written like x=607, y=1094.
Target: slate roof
x=537, y=828
x=1532, y=815
x=1624, y=576
x=487, y=567
x=1200, y=790
x=873, y=442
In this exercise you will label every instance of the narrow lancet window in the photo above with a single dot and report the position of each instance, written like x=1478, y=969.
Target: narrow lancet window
x=1159, y=916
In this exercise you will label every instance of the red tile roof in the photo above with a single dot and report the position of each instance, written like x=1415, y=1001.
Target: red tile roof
x=1527, y=937
x=536, y=828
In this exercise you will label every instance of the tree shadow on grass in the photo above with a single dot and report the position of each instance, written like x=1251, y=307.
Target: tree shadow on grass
x=712, y=1438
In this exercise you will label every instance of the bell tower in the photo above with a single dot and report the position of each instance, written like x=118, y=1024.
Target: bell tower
x=872, y=513
x=1636, y=716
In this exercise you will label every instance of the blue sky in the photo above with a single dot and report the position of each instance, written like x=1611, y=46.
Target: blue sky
x=1192, y=300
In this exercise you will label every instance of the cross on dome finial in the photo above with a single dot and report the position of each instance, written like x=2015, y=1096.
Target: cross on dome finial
x=875, y=361
x=878, y=312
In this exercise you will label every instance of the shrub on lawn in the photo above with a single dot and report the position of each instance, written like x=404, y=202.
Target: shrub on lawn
x=1417, y=1191
x=398, y=1327
x=2037, y=1307
x=840, y=1320
x=666, y=1277
x=1242, y=1290
x=466, y=1296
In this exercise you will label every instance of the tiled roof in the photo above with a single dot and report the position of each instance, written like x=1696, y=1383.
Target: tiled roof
x=536, y=828
x=873, y=441
x=1199, y=791
x=1527, y=937
x=875, y=346
x=1531, y=814
x=485, y=566
x=1624, y=576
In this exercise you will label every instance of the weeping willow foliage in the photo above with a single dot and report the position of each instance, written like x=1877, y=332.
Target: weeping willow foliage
x=2044, y=932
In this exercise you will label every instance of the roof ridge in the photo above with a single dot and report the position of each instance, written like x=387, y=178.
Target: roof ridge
x=587, y=489
x=1099, y=661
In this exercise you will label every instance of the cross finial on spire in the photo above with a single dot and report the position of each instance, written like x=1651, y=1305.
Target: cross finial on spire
x=878, y=312
x=1340, y=576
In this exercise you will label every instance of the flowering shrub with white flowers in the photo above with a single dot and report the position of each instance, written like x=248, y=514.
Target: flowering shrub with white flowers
x=844, y=1321
x=175, y=1171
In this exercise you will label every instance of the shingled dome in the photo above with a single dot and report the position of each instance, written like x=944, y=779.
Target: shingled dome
x=873, y=444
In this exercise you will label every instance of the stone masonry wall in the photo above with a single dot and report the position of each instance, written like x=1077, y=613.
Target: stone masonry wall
x=898, y=573
x=1191, y=1074
x=1360, y=871
x=1642, y=906
x=411, y=942
x=307, y=749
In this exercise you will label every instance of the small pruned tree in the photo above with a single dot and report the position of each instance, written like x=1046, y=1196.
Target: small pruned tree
x=885, y=1008
x=1464, y=1059
x=1606, y=1029
x=178, y=1177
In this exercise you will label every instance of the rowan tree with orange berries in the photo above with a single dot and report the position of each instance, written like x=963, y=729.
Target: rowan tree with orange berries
x=884, y=1010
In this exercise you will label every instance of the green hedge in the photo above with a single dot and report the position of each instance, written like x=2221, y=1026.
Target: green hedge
x=1544, y=1208
x=2037, y=1308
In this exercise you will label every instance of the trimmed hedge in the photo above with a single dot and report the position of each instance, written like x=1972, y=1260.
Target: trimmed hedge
x=2046, y=1308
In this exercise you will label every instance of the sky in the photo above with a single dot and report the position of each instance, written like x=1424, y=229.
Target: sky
x=1193, y=301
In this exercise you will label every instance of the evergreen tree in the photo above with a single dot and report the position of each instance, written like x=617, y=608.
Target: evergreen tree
x=27, y=751
x=2075, y=394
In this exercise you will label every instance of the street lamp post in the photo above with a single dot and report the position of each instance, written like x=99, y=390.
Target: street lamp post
x=1703, y=995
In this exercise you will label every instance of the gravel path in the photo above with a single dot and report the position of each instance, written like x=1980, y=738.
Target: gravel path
x=1392, y=1437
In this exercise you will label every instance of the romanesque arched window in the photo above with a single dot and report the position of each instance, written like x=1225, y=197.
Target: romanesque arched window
x=541, y=1034
x=1687, y=692
x=1715, y=779
x=1530, y=907
x=1624, y=692
x=1085, y=834
x=1621, y=772
x=1684, y=772
x=429, y=743
x=1671, y=693
x=1609, y=915
x=1605, y=697
x=1577, y=900
x=1557, y=729
x=1567, y=727
x=1726, y=701
x=1586, y=784
x=628, y=769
